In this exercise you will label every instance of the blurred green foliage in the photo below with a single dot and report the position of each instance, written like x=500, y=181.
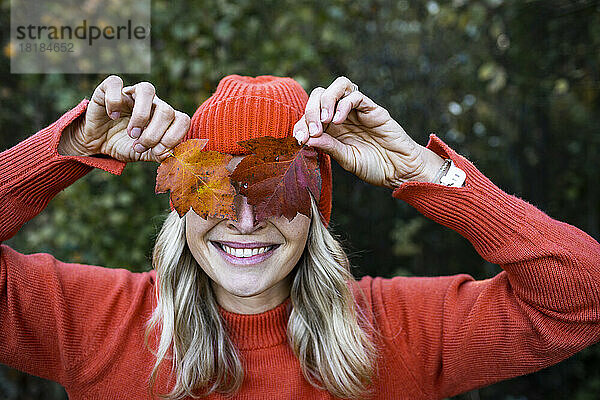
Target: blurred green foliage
x=512, y=85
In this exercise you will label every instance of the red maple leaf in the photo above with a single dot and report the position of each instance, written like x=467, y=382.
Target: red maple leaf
x=278, y=177
x=198, y=180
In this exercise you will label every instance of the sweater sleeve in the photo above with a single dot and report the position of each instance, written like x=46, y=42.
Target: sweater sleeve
x=49, y=310
x=543, y=307
x=32, y=173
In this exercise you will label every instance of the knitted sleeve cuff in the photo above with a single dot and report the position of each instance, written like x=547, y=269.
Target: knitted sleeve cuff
x=32, y=173
x=479, y=211
x=108, y=164
x=39, y=153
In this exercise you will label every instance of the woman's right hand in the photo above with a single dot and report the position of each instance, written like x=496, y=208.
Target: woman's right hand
x=128, y=124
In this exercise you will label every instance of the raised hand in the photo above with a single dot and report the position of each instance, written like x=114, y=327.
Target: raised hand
x=127, y=123
x=363, y=138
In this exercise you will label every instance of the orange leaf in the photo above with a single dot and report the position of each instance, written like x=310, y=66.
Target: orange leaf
x=198, y=180
x=277, y=178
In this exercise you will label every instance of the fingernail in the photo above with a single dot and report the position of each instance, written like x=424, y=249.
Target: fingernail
x=337, y=116
x=301, y=137
x=136, y=132
x=140, y=148
x=115, y=114
x=324, y=114
x=305, y=137
x=312, y=127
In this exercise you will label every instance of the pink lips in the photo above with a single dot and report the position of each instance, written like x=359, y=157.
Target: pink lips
x=255, y=259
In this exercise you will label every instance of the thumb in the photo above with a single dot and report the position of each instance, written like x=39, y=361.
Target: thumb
x=336, y=149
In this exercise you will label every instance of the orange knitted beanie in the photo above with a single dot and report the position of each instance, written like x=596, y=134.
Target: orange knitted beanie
x=245, y=107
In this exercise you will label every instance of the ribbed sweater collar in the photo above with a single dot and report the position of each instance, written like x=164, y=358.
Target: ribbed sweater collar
x=256, y=331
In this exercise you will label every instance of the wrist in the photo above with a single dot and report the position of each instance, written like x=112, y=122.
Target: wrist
x=447, y=174
x=68, y=144
x=430, y=167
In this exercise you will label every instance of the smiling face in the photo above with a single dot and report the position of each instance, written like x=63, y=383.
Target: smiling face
x=248, y=262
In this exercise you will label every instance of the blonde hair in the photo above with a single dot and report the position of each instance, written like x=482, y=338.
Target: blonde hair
x=326, y=330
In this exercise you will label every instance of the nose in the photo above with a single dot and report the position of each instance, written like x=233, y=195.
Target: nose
x=245, y=223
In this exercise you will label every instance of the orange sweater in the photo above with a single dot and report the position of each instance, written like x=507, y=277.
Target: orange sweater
x=83, y=326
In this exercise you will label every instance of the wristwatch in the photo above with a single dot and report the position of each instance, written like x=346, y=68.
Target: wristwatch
x=450, y=175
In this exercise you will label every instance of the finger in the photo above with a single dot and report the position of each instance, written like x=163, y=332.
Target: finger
x=143, y=94
x=333, y=147
x=300, y=131
x=339, y=88
x=355, y=100
x=312, y=112
x=161, y=118
x=113, y=99
x=173, y=136
x=127, y=91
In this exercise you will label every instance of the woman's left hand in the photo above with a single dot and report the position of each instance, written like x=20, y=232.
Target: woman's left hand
x=363, y=138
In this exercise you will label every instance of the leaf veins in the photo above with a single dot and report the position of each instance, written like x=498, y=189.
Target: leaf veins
x=278, y=177
x=198, y=180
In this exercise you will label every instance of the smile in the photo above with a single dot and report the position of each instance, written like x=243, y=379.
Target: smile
x=245, y=253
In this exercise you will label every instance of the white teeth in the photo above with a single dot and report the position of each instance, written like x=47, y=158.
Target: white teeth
x=243, y=253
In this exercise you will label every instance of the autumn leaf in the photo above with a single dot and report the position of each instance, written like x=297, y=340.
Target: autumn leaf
x=198, y=180
x=278, y=176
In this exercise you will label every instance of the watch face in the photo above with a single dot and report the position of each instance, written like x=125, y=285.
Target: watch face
x=454, y=177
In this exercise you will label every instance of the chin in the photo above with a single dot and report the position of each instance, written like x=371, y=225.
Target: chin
x=244, y=288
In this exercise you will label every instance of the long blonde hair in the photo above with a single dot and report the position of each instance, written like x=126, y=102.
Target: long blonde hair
x=327, y=332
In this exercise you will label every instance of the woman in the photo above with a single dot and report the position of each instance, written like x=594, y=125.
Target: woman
x=288, y=321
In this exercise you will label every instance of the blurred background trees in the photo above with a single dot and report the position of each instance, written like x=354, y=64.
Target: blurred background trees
x=512, y=85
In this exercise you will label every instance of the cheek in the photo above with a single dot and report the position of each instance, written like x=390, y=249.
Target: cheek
x=200, y=251
x=197, y=227
x=296, y=233
x=196, y=230
x=298, y=228
x=193, y=237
